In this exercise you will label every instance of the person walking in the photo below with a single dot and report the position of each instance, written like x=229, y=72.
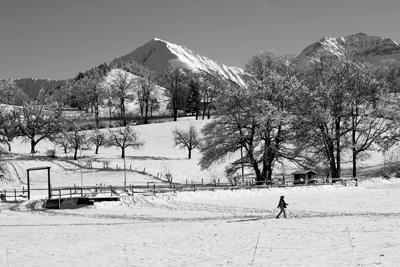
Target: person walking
x=282, y=205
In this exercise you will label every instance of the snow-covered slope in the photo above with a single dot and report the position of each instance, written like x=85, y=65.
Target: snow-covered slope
x=373, y=48
x=158, y=55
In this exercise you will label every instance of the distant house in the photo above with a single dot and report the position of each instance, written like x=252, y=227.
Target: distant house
x=303, y=176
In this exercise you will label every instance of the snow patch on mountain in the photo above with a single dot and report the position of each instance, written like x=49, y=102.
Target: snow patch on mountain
x=158, y=55
x=373, y=48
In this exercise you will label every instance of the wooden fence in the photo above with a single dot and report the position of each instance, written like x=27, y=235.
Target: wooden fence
x=155, y=188
x=14, y=194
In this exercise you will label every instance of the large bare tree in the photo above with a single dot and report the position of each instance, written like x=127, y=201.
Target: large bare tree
x=121, y=87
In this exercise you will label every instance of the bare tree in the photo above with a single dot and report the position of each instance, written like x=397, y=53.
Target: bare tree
x=121, y=88
x=98, y=138
x=8, y=126
x=36, y=123
x=173, y=79
x=123, y=138
x=255, y=119
x=96, y=93
x=187, y=139
x=146, y=93
x=11, y=94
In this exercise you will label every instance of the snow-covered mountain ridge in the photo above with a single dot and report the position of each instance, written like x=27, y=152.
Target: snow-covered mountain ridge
x=31, y=86
x=158, y=55
x=373, y=48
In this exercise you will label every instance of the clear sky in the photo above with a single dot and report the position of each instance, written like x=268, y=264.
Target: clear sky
x=56, y=39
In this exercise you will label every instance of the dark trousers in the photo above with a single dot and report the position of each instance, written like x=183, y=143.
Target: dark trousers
x=284, y=213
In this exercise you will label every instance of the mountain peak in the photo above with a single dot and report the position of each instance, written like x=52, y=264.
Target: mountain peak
x=159, y=54
x=373, y=48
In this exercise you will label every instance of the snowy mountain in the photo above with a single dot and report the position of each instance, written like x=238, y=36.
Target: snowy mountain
x=373, y=48
x=158, y=55
x=31, y=87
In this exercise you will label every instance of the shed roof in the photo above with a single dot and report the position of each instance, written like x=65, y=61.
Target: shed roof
x=304, y=172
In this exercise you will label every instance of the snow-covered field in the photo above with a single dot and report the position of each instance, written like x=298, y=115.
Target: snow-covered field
x=326, y=225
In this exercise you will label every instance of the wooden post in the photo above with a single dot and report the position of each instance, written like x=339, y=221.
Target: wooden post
x=218, y=181
x=59, y=192
x=29, y=187
x=186, y=181
x=144, y=170
x=49, y=184
x=130, y=167
x=111, y=190
x=15, y=194
x=202, y=181
x=23, y=190
x=174, y=189
x=75, y=188
x=81, y=191
x=194, y=186
x=70, y=192
x=154, y=188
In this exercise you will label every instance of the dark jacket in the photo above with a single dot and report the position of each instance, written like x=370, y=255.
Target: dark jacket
x=282, y=204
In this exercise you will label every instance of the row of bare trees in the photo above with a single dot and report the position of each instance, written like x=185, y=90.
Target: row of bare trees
x=34, y=123
x=310, y=115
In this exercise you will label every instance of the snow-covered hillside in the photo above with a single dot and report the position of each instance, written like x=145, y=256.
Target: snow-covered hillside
x=374, y=48
x=158, y=55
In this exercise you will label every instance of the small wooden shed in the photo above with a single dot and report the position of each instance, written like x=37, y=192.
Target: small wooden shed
x=303, y=176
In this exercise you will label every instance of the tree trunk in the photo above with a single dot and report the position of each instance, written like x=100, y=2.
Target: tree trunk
x=338, y=162
x=33, y=144
x=76, y=153
x=353, y=142
x=123, y=152
x=190, y=153
x=97, y=150
x=9, y=146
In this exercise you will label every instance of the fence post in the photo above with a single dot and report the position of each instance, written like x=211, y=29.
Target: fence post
x=194, y=186
x=75, y=188
x=59, y=192
x=186, y=181
x=111, y=190
x=5, y=195
x=23, y=190
x=154, y=188
x=218, y=181
x=117, y=166
x=174, y=189
x=202, y=181
x=144, y=170
x=15, y=194
x=81, y=191
x=70, y=192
